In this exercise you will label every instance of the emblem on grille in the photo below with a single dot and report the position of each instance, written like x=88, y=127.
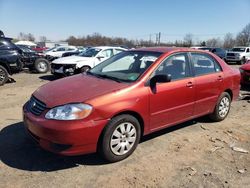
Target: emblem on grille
x=33, y=104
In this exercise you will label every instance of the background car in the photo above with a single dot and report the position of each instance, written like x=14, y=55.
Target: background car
x=218, y=51
x=10, y=59
x=245, y=73
x=134, y=93
x=84, y=61
x=33, y=60
x=238, y=55
x=57, y=52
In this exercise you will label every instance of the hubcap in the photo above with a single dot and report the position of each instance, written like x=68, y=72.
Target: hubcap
x=42, y=66
x=123, y=138
x=2, y=75
x=224, y=107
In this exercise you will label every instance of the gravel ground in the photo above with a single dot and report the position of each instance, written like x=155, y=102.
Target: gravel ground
x=198, y=153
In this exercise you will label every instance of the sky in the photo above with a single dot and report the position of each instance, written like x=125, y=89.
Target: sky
x=132, y=19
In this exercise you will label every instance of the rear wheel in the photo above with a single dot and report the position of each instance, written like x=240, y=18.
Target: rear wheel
x=42, y=65
x=120, y=138
x=222, y=107
x=3, y=75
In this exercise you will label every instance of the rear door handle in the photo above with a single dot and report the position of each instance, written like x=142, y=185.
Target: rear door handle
x=190, y=84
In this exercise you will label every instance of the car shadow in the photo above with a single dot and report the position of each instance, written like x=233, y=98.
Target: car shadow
x=18, y=150
x=49, y=77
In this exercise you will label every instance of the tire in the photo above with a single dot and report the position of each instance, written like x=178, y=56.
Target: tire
x=4, y=76
x=222, y=107
x=242, y=61
x=42, y=65
x=120, y=138
x=85, y=69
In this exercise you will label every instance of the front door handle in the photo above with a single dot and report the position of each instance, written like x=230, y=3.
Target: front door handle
x=190, y=84
x=220, y=78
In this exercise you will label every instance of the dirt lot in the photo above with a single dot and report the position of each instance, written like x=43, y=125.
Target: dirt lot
x=195, y=154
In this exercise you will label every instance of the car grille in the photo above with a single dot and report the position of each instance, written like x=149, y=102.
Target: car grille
x=65, y=66
x=35, y=106
x=230, y=54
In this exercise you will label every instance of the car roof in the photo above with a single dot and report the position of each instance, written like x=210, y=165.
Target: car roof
x=108, y=47
x=166, y=49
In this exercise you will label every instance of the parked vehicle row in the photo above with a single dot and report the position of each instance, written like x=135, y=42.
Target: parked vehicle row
x=134, y=93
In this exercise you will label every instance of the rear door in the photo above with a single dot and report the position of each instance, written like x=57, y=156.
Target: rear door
x=208, y=81
x=172, y=102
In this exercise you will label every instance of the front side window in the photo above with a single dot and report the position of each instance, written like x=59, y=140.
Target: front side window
x=126, y=66
x=176, y=66
x=204, y=64
x=60, y=49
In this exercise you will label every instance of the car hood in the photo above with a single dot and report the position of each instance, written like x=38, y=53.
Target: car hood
x=246, y=66
x=71, y=60
x=74, y=89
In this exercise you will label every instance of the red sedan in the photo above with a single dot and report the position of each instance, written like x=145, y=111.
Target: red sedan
x=132, y=94
x=245, y=73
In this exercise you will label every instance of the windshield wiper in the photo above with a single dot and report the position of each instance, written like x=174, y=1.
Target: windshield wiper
x=110, y=77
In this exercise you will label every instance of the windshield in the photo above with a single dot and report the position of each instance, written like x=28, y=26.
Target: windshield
x=238, y=49
x=90, y=52
x=126, y=66
x=25, y=49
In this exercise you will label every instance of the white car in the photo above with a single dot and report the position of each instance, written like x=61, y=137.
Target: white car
x=84, y=61
x=59, y=50
x=238, y=54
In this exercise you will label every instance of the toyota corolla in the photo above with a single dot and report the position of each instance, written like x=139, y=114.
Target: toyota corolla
x=134, y=93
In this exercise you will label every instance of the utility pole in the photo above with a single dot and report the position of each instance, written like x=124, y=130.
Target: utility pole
x=149, y=39
x=159, y=38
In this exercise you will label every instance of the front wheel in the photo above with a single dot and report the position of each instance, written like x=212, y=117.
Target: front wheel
x=222, y=107
x=85, y=69
x=3, y=75
x=42, y=65
x=120, y=138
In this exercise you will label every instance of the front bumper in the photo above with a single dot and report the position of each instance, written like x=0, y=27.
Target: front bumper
x=64, y=137
x=64, y=69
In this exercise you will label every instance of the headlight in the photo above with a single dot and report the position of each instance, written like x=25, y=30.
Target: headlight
x=69, y=112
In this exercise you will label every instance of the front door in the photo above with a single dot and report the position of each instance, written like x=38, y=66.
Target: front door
x=172, y=102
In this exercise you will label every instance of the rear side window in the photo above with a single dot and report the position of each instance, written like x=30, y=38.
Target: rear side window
x=204, y=64
x=176, y=65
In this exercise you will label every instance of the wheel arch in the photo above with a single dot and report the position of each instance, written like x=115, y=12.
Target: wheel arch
x=128, y=112
x=6, y=67
x=230, y=92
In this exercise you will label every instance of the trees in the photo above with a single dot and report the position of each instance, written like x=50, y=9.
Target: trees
x=188, y=40
x=243, y=38
x=24, y=36
x=214, y=42
x=229, y=41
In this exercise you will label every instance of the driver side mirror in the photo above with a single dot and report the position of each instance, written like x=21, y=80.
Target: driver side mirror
x=161, y=78
x=100, y=57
